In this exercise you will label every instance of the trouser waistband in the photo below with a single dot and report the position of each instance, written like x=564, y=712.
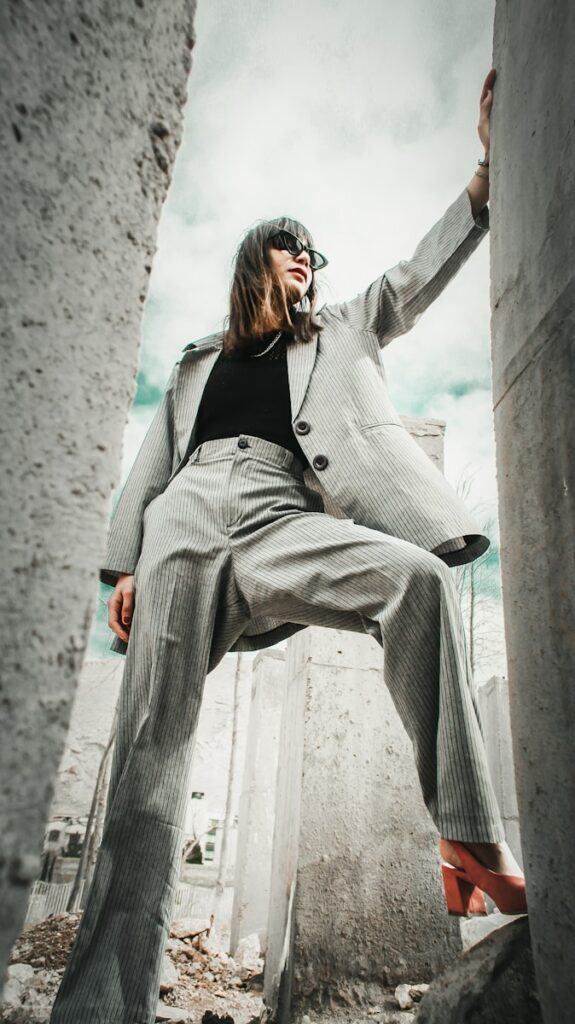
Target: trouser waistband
x=247, y=444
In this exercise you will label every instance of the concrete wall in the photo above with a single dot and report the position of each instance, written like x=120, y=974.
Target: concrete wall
x=356, y=898
x=258, y=799
x=91, y=723
x=493, y=702
x=429, y=434
x=533, y=326
x=93, y=95
x=88, y=735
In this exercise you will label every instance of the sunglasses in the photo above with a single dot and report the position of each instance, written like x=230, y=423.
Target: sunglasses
x=285, y=240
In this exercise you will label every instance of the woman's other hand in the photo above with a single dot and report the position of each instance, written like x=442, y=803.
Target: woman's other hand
x=121, y=607
x=485, y=104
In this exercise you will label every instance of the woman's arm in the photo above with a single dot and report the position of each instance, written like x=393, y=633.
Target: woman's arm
x=393, y=303
x=148, y=478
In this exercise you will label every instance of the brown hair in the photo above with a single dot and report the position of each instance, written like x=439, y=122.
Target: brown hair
x=259, y=301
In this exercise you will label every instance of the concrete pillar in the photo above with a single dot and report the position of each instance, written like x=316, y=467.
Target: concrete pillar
x=258, y=800
x=493, y=702
x=93, y=94
x=533, y=327
x=88, y=735
x=356, y=901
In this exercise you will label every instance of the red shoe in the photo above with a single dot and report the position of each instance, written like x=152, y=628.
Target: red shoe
x=461, y=896
x=463, y=886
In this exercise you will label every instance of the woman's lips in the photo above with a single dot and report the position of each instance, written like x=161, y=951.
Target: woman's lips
x=300, y=273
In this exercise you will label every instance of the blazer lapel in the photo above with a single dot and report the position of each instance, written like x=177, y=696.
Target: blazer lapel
x=196, y=365
x=300, y=362
x=195, y=368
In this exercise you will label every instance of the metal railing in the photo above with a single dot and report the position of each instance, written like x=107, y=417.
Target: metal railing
x=47, y=898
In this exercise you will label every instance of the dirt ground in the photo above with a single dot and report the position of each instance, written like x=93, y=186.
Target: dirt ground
x=205, y=983
x=207, y=980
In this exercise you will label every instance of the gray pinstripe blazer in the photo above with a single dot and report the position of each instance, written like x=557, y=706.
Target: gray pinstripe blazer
x=371, y=470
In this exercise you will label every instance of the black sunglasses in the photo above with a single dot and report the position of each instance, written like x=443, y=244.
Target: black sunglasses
x=285, y=240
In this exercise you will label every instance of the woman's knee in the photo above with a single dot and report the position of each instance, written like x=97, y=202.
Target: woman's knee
x=429, y=567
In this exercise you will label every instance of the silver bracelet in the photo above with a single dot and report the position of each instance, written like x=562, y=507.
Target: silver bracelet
x=480, y=175
x=484, y=163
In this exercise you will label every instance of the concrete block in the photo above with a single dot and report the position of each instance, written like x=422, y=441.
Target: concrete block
x=89, y=732
x=356, y=901
x=429, y=434
x=258, y=800
x=492, y=983
x=493, y=702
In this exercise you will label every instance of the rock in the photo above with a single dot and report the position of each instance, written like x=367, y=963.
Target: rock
x=248, y=951
x=22, y=972
x=173, y=1013
x=12, y=994
x=417, y=991
x=37, y=1000
x=403, y=995
x=169, y=976
x=18, y=979
x=185, y=926
x=210, y=1017
x=475, y=928
x=491, y=983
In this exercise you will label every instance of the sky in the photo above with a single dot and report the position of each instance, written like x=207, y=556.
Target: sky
x=360, y=120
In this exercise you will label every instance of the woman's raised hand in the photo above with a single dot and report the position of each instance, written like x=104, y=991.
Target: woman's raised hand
x=121, y=607
x=485, y=103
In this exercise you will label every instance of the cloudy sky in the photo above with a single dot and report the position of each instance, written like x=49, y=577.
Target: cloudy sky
x=359, y=119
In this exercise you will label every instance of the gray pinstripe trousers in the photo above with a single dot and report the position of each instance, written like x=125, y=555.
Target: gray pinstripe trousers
x=235, y=535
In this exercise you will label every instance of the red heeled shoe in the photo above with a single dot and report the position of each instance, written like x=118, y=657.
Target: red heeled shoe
x=463, y=886
x=461, y=896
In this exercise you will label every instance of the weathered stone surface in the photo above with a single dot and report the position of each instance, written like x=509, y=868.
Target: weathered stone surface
x=173, y=1013
x=533, y=329
x=492, y=983
x=258, y=800
x=169, y=977
x=493, y=702
x=357, y=902
x=475, y=928
x=93, y=94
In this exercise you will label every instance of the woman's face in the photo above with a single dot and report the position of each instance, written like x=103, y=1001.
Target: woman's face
x=294, y=271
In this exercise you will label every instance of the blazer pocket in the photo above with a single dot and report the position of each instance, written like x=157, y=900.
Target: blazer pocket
x=366, y=428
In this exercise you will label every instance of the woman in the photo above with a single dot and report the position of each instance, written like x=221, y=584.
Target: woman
x=276, y=488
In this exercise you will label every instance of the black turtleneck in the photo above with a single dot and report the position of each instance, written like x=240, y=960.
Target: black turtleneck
x=247, y=393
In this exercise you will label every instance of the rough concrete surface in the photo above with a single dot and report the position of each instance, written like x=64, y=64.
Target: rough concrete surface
x=493, y=702
x=357, y=903
x=92, y=95
x=257, y=803
x=533, y=329
x=492, y=983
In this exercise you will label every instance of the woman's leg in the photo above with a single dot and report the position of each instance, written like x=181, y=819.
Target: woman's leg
x=184, y=592
x=311, y=568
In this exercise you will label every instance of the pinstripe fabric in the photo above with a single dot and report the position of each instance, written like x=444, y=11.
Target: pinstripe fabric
x=375, y=473
x=237, y=536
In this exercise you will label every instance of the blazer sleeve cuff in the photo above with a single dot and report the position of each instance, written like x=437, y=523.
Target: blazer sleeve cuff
x=110, y=576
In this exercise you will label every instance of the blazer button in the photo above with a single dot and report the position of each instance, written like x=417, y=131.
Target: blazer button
x=320, y=462
x=302, y=427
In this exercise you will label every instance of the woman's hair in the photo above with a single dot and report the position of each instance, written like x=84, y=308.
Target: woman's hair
x=258, y=297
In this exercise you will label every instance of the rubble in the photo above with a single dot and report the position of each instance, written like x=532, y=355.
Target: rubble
x=407, y=995
x=197, y=977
